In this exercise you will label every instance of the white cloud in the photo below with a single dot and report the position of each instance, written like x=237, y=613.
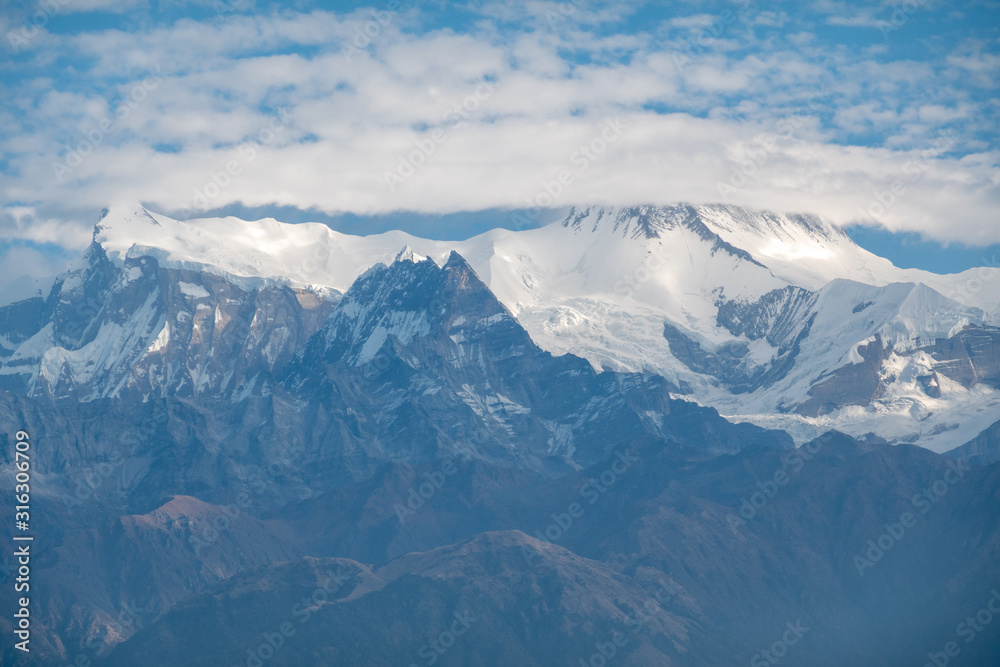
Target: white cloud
x=864, y=19
x=771, y=19
x=118, y=6
x=352, y=118
x=16, y=262
x=23, y=223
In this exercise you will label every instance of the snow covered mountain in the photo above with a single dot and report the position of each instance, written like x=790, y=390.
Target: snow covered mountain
x=229, y=411
x=780, y=320
x=131, y=327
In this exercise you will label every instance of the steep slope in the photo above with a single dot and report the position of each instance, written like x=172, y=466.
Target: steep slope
x=795, y=528
x=983, y=449
x=680, y=555
x=413, y=425
x=478, y=602
x=415, y=349
x=416, y=362
x=766, y=317
x=108, y=329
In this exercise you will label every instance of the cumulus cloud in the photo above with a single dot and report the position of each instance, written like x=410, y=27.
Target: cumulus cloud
x=372, y=111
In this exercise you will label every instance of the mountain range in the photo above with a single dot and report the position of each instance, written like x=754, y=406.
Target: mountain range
x=777, y=320
x=686, y=435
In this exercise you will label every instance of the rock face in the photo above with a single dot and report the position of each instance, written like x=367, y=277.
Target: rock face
x=971, y=357
x=858, y=384
x=983, y=449
x=424, y=361
x=781, y=319
x=139, y=330
x=847, y=345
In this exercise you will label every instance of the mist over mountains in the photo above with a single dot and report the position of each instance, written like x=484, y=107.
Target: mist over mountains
x=682, y=435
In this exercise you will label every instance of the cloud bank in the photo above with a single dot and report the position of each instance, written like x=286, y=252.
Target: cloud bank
x=504, y=105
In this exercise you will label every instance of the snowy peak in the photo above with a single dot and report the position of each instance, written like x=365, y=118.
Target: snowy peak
x=125, y=219
x=748, y=311
x=385, y=301
x=746, y=225
x=742, y=227
x=904, y=316
x=405, y=301
x=803, y=250
x=645, y=221
x=407, y=254
x=601, y=245
x=254, y=253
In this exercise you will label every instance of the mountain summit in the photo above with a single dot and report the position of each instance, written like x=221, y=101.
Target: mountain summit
x=777, y=319
x=523, y=428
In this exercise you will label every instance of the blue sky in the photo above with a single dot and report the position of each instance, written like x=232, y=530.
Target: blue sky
x=909, y=250
x=440, y=117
